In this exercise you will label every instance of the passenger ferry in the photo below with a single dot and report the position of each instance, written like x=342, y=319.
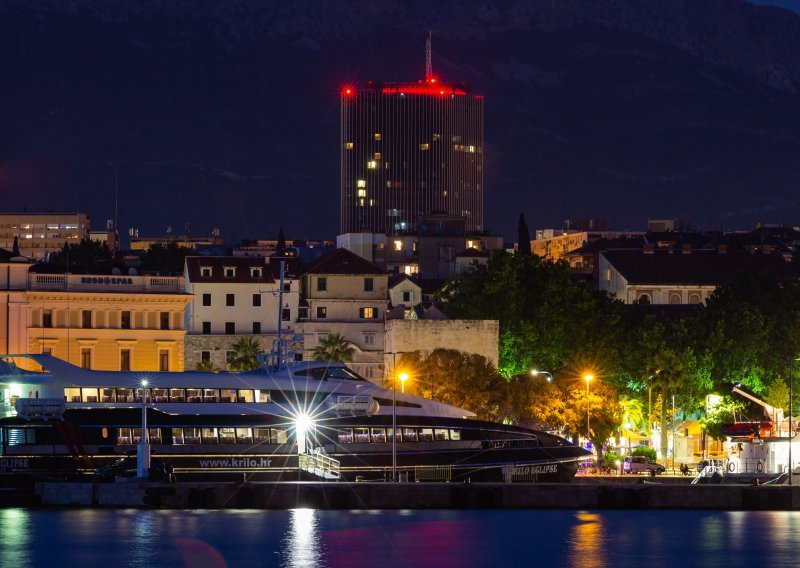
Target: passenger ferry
x=304, y=420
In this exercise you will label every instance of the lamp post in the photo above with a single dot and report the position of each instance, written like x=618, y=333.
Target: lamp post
x=143, y=455
x=536, y=373
x=588, y=378
x=403, y=378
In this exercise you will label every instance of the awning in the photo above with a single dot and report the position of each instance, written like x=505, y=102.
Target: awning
x=633, y=436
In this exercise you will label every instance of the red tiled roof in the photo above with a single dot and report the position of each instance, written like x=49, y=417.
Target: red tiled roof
x=217, y=264
x=342, y=261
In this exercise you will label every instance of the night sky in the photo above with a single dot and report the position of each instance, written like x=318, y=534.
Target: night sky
x=225, y=114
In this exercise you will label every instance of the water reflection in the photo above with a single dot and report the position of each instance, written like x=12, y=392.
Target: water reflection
x=302, y=547
x=587, y=541
x=15, y=537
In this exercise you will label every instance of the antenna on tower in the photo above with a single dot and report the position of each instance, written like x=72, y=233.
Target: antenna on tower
x=428, y=58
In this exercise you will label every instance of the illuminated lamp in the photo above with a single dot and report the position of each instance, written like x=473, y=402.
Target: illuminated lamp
x=441, y=92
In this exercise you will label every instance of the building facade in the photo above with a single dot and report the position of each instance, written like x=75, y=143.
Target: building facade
x=41, y=233
x=107, y=322
x=234, y=297
x=347, y=295
x=410, y=149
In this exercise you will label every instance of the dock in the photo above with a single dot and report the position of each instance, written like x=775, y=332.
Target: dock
x=617, y=494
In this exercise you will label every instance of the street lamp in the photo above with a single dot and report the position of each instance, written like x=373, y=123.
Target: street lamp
x=588, y=378
x=143, y=455
x=536, y=373
x=403, y=378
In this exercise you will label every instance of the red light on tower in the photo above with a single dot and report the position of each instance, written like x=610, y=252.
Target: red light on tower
x=348, y=90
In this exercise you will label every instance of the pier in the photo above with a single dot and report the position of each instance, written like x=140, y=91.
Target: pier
x=601, y=494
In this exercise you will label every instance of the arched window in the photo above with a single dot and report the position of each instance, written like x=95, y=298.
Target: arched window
x=674, y=298
x=644, y=299
x=694, y=298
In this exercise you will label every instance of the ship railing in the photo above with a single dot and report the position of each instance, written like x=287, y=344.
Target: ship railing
x=40, y=408
x=320, y=465
x=433, y=473
x=711, y=468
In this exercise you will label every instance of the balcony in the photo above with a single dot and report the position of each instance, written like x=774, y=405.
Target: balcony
x=106, y=283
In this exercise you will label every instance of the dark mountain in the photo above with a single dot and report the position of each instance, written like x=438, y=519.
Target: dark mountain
x=226, y=114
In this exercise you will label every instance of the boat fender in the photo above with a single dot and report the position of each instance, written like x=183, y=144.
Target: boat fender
x=731, y=467
x=759, y=467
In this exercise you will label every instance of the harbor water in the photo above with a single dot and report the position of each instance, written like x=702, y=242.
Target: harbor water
x=311, y=538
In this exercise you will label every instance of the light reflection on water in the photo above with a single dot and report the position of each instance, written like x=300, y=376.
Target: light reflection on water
x=331, y=539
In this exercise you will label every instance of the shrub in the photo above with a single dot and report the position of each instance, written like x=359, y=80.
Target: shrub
x=611, y=460
x=645, y=451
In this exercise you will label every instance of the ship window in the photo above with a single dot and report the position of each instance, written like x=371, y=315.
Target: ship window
x=278, y=435
x=72, y=394
x=193, y=395
x=160, y=395
x=227, y=395
x=389, y=435
x=136, y=435
x=227, y=436
x=89, y=395
x=209, y=435
x=108, y=395
x=426, y=434
x=261, y=435
x=263, y=396
x=123, y=436
x=246, y=395
x=244, y=435
x=104, y=433
x=17, y=436
x=409, y=434
x=191, y=435
x=210, y=395
x=441, y=434
x=379, y=435
x=346, y=436
x=124, y=395
x=176, y=395
x=361, y=435
x=455, y=434
x=177, y=436
x=155, y=435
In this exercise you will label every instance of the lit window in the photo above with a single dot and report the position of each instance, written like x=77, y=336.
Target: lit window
x=362, y=192
x=424, y=146
x=398, y=245
x=361, y=203
x=368, y=313
x=349, y=145
x=377, y=136
x=371, y=202
x=372, y=164
x=361, y=183
x=436, y=137
x=389, y=184
x=608, y=274
x=472, y=149
x=456, y=138
x=377, y=155
x=470, y=244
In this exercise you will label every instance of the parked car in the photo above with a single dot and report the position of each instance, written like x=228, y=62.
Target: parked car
x=160, y=470
x=639, y=464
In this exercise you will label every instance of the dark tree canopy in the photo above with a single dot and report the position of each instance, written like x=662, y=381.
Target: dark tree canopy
x=523, y=236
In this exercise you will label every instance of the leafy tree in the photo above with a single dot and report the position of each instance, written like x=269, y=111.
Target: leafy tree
x=777, y=395
x=645, y=451
x=601, y=408
x=465, y=380
x=244, y=355
x=87, y=252
x=523, y=236
x=335, y=348
x=165, y=259
x=633, y=414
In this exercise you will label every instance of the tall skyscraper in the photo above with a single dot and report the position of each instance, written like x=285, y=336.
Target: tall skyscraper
x=410, y=149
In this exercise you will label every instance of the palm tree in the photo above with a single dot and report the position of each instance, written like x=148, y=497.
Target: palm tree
x=632, y=414
x=335, y=348
x=204, y=366
x=244, y=356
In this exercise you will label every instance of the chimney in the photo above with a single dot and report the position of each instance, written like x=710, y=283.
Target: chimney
x=648, y=248
x=722, y=248
x=687, y=248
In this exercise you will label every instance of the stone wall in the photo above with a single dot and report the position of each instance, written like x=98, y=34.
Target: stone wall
x=470, y=336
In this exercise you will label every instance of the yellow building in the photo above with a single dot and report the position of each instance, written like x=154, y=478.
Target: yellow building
x=105, y=322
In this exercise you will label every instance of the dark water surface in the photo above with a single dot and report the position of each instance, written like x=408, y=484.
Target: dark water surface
x=383, y=539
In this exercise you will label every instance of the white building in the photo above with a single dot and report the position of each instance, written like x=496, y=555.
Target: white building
x=234, y=297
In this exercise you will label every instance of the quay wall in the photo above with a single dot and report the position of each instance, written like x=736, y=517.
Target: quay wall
x=331, y=495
